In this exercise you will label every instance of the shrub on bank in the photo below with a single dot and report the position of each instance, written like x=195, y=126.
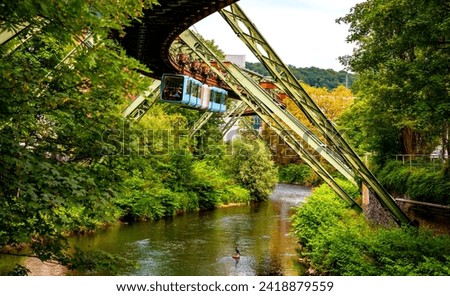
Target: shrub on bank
x=417, y=183
x=249, y=164
x=148, y=195
x=297, y=174
x=338, y=241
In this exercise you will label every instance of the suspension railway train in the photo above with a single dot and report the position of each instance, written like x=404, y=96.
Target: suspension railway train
x=187, y=91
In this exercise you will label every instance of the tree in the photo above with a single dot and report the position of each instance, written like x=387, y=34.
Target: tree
x=402, y=61
x=251, y=166
x=313, y=76
x=333, y=104
x=54, y=175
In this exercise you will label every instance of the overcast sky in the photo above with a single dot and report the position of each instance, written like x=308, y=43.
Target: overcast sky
x=302, y=32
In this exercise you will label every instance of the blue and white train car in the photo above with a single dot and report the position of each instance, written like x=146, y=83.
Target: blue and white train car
x=217, y=101
x=185, y=90
x=181, y=89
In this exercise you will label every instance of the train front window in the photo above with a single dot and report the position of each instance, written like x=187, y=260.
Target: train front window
x=173, y=88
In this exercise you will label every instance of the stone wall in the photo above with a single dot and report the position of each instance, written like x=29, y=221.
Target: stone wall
x=374, y=211
x=431, y=216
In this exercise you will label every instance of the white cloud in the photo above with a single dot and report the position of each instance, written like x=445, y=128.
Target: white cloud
x=303, y=33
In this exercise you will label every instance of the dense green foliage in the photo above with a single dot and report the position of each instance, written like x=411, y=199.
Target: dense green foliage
x=312, y=76
x=54, y=177
x=165, y=177
x=69, y=162
x=297, y=174
x=416, y=182
x=251, y=165
x=338, y=241
x=402, y=65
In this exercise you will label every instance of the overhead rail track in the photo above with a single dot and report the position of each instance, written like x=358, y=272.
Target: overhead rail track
x=150, y=39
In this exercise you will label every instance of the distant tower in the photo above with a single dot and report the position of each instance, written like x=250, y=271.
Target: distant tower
x=345, y=60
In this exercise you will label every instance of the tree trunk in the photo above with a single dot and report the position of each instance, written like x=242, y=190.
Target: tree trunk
x=445, y=142
x=407, y=139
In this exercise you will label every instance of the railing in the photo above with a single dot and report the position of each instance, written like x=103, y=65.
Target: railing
x=421, y=160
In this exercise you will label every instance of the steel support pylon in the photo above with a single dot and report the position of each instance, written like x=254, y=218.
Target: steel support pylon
x=264, y=105
x=232, y=117
x=254, y=40
x=143, y=102
x=200, y=123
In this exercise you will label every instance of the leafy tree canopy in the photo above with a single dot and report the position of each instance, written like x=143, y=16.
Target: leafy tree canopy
x=55, y=110
x=402, y=59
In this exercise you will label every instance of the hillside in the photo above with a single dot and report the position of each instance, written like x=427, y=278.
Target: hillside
x=313, y=76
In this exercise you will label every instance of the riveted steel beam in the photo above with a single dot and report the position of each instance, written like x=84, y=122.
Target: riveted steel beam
x=143, y=102
x=283, y=115
x=232, y=117
x=200, y=123
x=7, y=35
x=149, y=39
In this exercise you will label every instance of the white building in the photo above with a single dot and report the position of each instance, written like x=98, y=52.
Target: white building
x=238, y=59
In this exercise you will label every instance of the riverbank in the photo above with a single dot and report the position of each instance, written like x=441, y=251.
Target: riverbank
x=337, y=241
x=173, y=245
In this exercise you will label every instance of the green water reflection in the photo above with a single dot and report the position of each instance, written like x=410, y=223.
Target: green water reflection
x=203, y=243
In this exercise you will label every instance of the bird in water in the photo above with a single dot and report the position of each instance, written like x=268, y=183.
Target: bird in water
x=237, y=255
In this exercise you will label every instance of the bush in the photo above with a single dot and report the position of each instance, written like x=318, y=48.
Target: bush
x=297, y=174
x=338, y=241
x=139, y=201
x=214, y=188
x=250, y=164
x=418, y=183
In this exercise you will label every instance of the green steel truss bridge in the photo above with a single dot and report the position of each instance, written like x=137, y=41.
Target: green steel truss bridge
x=164, y=43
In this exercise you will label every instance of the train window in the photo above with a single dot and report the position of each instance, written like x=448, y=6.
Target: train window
x=222, y=98
x=195, y=89
x=214, y=96
x=173, y=88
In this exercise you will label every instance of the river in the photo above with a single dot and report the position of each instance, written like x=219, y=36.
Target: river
x=203, y=243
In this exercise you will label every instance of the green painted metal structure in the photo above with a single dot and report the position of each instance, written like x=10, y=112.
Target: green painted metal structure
x=284, y=117
x=234, y=115
x=263, y=104
x=143, y=102
x=255, y=41
x=296, y=135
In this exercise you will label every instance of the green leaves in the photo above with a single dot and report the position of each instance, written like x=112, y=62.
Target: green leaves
x=251, y=166
x=57, y=97
x=400, y=57
x=338, y=241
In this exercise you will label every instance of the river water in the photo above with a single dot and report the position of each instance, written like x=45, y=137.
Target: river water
x=203, y=243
